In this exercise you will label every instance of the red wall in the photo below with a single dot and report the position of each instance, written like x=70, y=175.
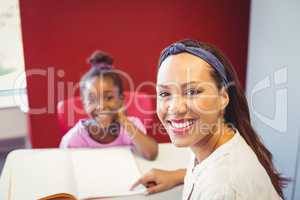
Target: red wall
x=62, y=34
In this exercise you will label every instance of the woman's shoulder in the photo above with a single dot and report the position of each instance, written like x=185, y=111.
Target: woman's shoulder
x=217, y=191
x=241, y=163
x=235, y=168
x=229, y=182
x=245, y=160
x=246, y=174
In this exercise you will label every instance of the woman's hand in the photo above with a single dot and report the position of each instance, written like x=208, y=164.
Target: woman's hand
x=157, y=180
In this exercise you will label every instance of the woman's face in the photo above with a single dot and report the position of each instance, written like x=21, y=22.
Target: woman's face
x=101, y=100
x=189, y=104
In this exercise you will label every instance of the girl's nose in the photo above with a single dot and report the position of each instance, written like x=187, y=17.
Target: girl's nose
x=177, y=105
x=100, y=107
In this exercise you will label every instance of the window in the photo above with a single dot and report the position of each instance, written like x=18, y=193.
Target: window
x=12, y=77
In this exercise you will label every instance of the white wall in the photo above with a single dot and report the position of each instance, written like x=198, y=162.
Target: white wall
x=273, y=81
x=13, y=123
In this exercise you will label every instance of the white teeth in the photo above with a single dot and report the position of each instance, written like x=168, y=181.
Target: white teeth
x=182, y=125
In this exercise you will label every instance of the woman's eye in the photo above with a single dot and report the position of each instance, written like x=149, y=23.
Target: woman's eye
x=163, y=94
x=193, y=92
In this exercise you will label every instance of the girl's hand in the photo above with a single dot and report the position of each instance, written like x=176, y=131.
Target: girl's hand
x=157, y=180
x=121, y=115
x=143, y=144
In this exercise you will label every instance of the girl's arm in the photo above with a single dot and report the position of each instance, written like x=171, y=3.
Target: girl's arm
x=144, y=144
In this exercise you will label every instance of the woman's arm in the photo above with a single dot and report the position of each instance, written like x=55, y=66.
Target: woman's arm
x=157, y=180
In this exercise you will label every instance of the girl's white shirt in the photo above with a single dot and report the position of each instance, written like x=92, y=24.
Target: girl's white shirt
x=231, y=172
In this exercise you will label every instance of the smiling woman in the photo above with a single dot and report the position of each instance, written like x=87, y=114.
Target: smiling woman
x=189, y=102
x=201, y=104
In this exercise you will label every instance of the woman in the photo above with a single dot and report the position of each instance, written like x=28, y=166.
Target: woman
x=201, y=104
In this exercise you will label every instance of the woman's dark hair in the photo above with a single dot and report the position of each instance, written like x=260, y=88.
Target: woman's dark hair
x=101, y=66
x=237, y=113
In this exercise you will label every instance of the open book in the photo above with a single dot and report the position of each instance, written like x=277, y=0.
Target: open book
x=74, y=174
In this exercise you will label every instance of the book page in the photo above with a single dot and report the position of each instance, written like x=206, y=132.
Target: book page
x=36, y=174
x=105, y=172
x=170, y=157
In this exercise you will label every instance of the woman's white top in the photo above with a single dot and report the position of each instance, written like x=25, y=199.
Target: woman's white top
x=231, y=172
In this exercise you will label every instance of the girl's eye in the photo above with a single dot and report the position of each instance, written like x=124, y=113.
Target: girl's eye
x=163, y=94
x=193, y=92
x=108, y=98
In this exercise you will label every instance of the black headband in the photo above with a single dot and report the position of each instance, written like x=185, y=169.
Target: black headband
x=207, y=56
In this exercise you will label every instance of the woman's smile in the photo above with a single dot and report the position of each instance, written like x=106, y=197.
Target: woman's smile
x=180, y=127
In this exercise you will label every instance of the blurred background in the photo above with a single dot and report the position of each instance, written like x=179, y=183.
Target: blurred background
x=51, y=39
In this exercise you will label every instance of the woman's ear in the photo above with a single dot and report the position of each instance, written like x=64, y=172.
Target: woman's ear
x=224, y=98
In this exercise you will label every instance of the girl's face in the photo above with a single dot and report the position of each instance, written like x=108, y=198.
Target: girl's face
x=189, y=104
x=101, y=100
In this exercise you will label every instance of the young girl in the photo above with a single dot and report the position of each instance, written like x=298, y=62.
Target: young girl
x=201, y=104
x=102, y=96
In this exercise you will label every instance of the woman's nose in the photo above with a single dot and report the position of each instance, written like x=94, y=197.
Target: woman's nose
x=177, y=105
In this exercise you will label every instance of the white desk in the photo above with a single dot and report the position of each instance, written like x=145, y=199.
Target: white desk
x=170, y=158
